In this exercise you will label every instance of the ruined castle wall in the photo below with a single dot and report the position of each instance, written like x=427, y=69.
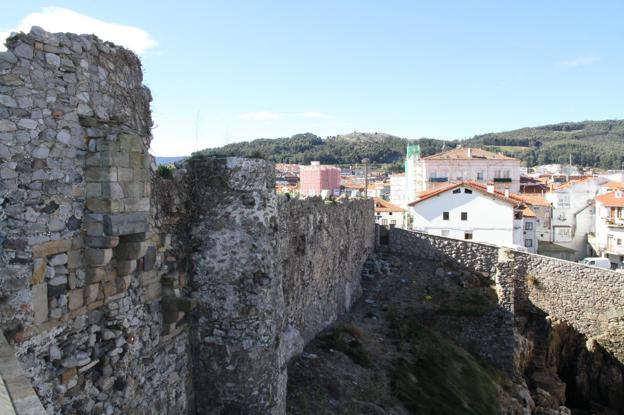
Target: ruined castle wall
x=321, y=249
x=81, y=256
x=588, y=299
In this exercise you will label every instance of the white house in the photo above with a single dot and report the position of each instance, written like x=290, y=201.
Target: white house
x=398, y=190
x=388, y=214
x=471, y=211
x=609, y=240
x=461, y=164
x=573, y=214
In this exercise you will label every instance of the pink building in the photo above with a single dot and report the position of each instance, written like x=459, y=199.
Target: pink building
x=316, y=178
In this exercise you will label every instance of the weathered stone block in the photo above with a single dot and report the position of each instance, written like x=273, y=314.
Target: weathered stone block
x=150, y=259
x=75, y=298
x=125, y=174
x=74, y=259
x=126, y=223
x=40, y=302
x=50, y=248
x=112, y=190
x=101, y=174
x=98, y=257
x=136, y=205
x=98, y=204
x=94, y=275
x=102, y=241
x=94, y=189
x=39, y=271
x=59, y=259
x=131, y=250
x=92, y=293
x=123, y=283
x=126, y=267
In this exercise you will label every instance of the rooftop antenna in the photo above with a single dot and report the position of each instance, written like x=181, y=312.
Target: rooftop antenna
x=197, y=131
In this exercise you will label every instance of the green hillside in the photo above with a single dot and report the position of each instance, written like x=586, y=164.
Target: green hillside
x=591, y=144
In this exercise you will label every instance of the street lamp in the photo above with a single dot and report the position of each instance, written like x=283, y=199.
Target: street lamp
x=365, y=161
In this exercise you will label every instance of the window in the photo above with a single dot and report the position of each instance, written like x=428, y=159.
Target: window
x=457, y=191
x=528, y=243
x=444, y=232
x=467, y=235
x=464, y=216
x=445, y=216
x=384, y=222
x=480, y=175
x=392, y=222
x=389, y=213
x=528, y=226
x=619, y=241
x=468, y=191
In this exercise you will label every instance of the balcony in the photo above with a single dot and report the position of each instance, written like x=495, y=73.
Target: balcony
x=438, y=179
x=615, y=222
x=502, y=180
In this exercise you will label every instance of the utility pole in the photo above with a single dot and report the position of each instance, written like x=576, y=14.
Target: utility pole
x=365, y=161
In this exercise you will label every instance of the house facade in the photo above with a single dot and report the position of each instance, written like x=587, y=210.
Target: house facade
x=609, y=235
x=461, y=164
x=470, y=211
x=388, y=214
x=398, y=190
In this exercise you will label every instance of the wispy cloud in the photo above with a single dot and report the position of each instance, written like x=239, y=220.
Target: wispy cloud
x=56, y=19
x=313, y=114
x=260, y=116
x=579, y=61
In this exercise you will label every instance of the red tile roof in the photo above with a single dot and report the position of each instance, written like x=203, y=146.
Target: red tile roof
x=385, y=206
x=613, y=185
x=462, y=153
x=475, y=186
x=609, y=199
x=532, y=199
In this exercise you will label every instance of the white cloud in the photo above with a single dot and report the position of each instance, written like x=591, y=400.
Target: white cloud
x=56, y=19
x=313, y=114
x=579, y=61
x=260, y=116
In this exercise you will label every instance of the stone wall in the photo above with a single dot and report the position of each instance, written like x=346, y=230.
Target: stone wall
x=125, y=292
x=588, y=299
x=82, y=259
x=322, y=248
x=268, y=275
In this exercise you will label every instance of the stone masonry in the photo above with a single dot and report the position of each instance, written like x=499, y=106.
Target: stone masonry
x=588, y=299
x=124, y=292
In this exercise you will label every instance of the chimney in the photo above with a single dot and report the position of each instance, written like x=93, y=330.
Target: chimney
x=506, y=191
x=490, y=187
x=469, y=152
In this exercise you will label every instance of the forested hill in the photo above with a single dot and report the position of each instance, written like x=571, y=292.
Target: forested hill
x=340, y=149
x=591, y=144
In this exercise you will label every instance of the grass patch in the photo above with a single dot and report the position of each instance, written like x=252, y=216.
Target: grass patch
x=473, y=302
x=441, y=378
x=345, y=339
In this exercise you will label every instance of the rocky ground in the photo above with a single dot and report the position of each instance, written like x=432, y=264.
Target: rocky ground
x=396, y=352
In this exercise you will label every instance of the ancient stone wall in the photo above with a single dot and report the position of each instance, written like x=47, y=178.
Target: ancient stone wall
x=322, y=247
x=82, y=260
x=586, y=298
x=126, y=292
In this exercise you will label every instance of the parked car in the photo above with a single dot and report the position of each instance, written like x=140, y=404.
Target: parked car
x=597, y=262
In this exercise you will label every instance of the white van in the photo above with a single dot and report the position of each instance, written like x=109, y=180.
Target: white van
x=596, y=262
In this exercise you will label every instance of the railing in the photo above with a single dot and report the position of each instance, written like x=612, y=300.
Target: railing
x=438, y=179
x=502, y=179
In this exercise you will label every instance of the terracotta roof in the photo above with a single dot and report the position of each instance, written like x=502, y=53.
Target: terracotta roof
x=385, y=206
x=532, y=199
x=461, y=153
x=613, y=185
x=609, y=199
x=472, y=185
x=527, y=212
x=571, y=182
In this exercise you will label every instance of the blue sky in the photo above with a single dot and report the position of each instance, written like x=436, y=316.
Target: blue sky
x=446, y=69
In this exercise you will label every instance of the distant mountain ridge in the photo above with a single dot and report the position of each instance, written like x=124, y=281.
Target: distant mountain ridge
x=590, y=143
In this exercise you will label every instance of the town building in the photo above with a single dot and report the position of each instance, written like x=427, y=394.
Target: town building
x=317, y=179
x=609, y=235
x=398, y=190
x=388, y=214
x=472, y=211
x=573, y=215
x=460, y=164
